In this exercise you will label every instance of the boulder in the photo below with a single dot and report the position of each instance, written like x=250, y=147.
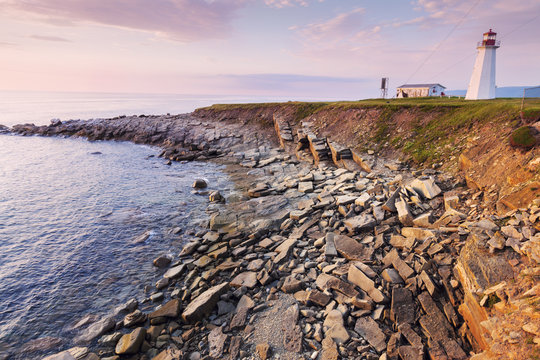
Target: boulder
x=130, y=343
x=162, y=261
x=199, y=184
x=203, y=305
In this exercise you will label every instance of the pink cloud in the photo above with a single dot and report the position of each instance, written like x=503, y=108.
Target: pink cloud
x=288, y=3
x=341, y=26
x=182, y=20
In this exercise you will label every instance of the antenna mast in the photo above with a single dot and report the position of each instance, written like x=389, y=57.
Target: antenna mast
x=384, y=87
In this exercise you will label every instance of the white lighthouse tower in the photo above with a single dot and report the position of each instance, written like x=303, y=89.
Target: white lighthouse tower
x=482, y=84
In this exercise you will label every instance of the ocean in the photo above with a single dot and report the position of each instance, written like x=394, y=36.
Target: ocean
x=73, y=213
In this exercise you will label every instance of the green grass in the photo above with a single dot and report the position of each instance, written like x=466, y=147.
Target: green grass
x=303, y=110
x=523, y=137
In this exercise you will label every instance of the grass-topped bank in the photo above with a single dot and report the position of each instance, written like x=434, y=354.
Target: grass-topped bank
x=423, y=130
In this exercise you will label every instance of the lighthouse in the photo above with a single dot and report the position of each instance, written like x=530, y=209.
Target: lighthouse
x=482, y=84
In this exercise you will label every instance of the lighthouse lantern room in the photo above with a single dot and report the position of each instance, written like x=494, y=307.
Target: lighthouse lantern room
x=482, y=83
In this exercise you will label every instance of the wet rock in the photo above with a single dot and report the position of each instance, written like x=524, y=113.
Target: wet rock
x=134, y=318
x=130, y=343
x=200, y=184
x=162, y=261
x=203, y=305
x=215, y=196
x=64, y=355
x=96, y=329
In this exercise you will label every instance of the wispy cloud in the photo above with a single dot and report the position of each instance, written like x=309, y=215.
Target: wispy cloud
x=289, y=3
x=49, y=38
x=183, y=20
x=340, y=27
x=7, y=44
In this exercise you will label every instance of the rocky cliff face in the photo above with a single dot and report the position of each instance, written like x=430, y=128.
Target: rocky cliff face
x=470, y=145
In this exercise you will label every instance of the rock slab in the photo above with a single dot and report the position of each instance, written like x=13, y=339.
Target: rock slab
x=202, y=306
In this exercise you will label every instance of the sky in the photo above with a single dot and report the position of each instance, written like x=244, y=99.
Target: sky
x=299, y=49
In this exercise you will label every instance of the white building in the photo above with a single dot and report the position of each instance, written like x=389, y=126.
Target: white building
x=482, y=84
x=419, y=90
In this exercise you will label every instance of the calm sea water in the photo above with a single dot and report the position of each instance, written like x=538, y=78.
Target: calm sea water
x=70, y=211
x=40, y=107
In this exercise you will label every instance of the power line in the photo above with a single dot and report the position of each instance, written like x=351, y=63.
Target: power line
x=502, y=37
x=443, y=40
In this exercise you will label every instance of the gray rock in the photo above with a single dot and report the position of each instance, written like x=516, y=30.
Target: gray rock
x=426, y=187
x=96, y=329
x=175, y=272
x=199, y=184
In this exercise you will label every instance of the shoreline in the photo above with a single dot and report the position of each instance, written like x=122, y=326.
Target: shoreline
x=361, y=267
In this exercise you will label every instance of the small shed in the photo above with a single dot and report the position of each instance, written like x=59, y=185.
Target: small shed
x=420, y=90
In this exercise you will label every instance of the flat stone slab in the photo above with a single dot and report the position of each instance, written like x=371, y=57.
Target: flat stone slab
x=96, y=329
x=203, y=305
x=357, y=277
x=247, y=279
x=371, y=332
x=175, y=272
x=402, y=306
x=360, y=222
x=170, y=310
x=305, y=186
x=330, y=249
x=325, y=281
x=351, y=249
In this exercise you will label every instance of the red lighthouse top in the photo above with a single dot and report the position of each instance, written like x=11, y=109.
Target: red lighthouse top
x=489, y=39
